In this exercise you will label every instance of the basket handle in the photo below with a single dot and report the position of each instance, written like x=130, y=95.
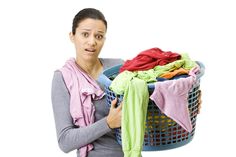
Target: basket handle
x=202, y=69
x=104, y=77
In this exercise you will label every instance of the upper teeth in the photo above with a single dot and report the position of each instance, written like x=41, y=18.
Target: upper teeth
x=90, y=49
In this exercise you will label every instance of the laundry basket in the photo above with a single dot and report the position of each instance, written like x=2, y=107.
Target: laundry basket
x=161, y=132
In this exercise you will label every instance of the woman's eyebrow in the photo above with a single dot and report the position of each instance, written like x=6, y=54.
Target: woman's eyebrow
x=101, y=32
x=87, y=29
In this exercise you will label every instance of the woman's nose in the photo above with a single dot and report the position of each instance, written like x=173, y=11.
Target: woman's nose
x=92, y=41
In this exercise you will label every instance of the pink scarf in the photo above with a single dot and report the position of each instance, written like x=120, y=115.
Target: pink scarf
x=83, y=89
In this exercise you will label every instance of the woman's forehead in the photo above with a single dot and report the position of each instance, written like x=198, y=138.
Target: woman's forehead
x=92, y=24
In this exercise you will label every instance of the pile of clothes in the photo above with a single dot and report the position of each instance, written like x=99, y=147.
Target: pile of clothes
x=173, y=75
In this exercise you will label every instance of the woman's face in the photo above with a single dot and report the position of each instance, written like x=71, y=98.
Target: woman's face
x=89, y=39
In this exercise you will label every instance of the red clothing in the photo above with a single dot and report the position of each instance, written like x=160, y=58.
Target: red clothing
x=148, y=59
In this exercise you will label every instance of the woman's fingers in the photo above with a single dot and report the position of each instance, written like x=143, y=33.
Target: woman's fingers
x=114, y=116
x=113, y=103
x=199, y=101
x=120, y=106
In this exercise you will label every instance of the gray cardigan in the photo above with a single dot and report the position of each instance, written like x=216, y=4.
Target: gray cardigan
x=71, y=137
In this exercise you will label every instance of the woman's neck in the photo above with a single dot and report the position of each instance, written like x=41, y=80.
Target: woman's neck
x=92, y=68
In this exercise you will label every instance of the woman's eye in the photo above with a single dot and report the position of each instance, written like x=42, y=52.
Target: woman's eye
x=85, y=34
x=99, y=37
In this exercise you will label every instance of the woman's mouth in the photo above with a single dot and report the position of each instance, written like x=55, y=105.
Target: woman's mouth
x=90, y=49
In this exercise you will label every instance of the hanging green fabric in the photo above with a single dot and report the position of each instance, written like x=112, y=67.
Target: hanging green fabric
x=134, y=111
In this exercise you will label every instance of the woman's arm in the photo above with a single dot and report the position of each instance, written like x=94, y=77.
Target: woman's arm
x=69, y=136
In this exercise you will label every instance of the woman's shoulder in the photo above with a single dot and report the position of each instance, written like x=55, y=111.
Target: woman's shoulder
x=110, y=62
x=58, y=77
x=57, y=74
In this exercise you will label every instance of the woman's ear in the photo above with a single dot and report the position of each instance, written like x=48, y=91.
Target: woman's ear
x=71, y=36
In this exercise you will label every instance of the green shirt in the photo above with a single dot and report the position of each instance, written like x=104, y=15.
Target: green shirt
x=134, y=110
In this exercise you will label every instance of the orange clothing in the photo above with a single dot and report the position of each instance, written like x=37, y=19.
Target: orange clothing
x=171, y=74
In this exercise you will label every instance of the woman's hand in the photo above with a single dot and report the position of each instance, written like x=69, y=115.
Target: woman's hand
x=199, y=101
x=114, y=116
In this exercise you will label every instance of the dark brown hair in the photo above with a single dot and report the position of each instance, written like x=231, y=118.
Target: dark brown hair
x=87, y=13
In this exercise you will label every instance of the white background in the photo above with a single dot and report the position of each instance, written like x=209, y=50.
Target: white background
x=34, y=42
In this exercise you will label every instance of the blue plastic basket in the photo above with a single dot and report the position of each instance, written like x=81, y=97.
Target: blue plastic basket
x=161, y=132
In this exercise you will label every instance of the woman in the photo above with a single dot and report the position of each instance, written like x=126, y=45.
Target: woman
x=80, y=125
x=83, y=120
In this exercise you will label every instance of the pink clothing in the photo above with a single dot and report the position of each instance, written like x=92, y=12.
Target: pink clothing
x=83, y=89
x=171, y=97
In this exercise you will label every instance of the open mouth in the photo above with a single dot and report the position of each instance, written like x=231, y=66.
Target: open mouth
x=90, y=50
